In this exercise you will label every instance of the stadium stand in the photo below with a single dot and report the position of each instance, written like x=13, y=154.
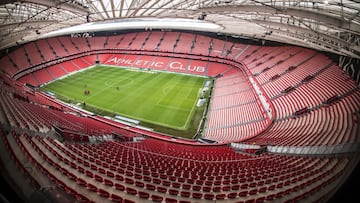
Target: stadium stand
x=314, y=106
x=168, y=42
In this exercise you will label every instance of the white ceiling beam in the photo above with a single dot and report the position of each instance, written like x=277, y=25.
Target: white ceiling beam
x=94, y=10
x=161, y=7
x=131, y=7
x=138, y=8
x=299, y=12
x=60, y=5
x=300, y=29
x=149, y=7
x=104, y=8
x=316, y=44
x=28, y=23
x=121, y=8
x=112, y=7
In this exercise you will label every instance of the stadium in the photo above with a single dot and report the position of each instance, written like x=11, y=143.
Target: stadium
x=179, y=101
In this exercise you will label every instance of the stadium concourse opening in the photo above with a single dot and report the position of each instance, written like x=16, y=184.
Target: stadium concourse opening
x=280, y=122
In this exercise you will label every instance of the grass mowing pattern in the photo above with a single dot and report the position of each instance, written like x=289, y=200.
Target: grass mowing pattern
x=155, y=98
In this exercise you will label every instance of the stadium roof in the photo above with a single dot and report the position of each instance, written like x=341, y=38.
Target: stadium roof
x=328, y=25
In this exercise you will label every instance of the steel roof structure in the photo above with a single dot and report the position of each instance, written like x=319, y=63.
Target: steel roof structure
x=326, y=25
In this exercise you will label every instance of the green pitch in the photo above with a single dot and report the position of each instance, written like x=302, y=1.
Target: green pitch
x=161, y=98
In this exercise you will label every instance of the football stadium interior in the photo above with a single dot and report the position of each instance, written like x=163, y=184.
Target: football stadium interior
x=179, y=100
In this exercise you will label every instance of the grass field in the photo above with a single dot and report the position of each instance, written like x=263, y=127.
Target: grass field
x=154, y=98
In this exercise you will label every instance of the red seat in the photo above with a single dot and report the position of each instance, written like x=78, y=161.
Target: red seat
x=119, y=177
x=139, y=184
x=108, y=182
x=101, y=170
x=163, y=176
x=253, y=192
x=199, y=182
x=170, y=200
x=110, y=174
x=226, y=188
x=129, y=173
x=173, y=192
x=166, y=183
x=190, y=181
x=172, y=178
x=129, y=181
x=206, y=189
x=243, y=193
x=209, y=196
x=120, y=170
x=218, y=182
x=98, y=178
x=116, y=198
x=92, y=187
x=244, y=186
x=220, y=196
x=253, y=184
x=87, y=164
x=103, y=193
x=150, y=187
x=138, y=176
x=113, y=168
x=131, y=191
x=216, y=189
x=81, y=182
x=144, y=195
x=161, y=189
x=156, y=198
x=262, y=190
x=232, y=195
x=147, y=179
x=186, y=186
x=156, y=181
x=181, y=180
x=93, y=167
x=197, y=195
x=176, y=185
x=208, y=183
x=89, y=174
x=80, y=169
x=105, y=165
x=185, y=194
x=119, y=187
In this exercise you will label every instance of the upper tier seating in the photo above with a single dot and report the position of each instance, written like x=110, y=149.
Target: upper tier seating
x=314, y=104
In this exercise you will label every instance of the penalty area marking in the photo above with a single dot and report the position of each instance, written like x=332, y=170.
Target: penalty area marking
x=165, y=92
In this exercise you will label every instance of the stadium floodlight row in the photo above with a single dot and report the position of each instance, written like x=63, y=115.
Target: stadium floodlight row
x=281, y=124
